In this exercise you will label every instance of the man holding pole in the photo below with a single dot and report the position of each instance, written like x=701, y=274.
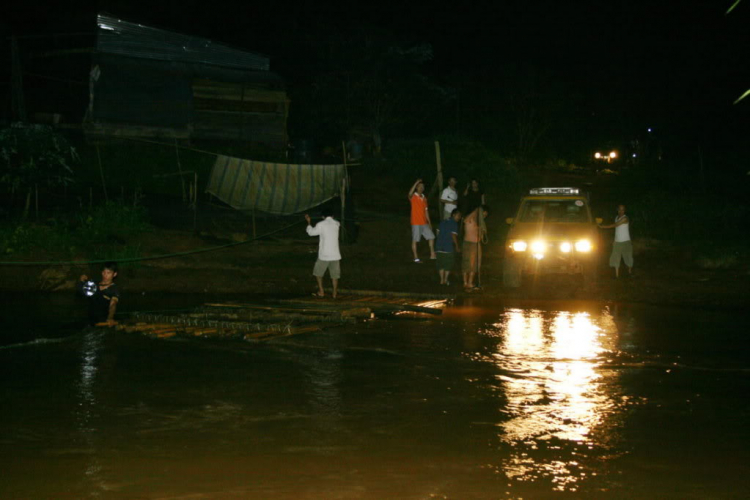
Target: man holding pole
x=474, y=233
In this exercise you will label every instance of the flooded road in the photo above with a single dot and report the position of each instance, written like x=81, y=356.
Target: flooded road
x=490, y=400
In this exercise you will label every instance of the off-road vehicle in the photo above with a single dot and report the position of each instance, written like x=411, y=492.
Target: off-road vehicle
x=553, y=232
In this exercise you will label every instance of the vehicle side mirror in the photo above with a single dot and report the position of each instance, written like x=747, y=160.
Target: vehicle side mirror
x=599, y=220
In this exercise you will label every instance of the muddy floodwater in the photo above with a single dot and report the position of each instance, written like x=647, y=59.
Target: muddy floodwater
x=489, y=400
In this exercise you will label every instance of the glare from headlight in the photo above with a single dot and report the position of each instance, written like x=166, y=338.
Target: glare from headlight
x=538, y=246
x=597, y=155
x=519, y=246
x=613, y=154
x=583, y=246
x=565, y=247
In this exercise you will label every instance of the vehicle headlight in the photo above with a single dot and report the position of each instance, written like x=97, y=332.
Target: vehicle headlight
x=519, y=246
x=538, y=246
x=583, y=246
x=565, y=247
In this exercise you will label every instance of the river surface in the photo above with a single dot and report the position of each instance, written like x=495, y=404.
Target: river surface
x=489, y=400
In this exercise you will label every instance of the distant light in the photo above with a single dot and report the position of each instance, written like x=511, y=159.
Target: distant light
x=649, y=129
x=613, y=155
x=634, y=155
x=597, y=155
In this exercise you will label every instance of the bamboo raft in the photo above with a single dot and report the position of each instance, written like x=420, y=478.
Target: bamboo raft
x=379, y=302
x=257, y=322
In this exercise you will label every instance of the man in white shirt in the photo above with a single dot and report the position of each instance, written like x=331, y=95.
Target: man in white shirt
x=329, y=256
x=622, y=248
x=449, y=197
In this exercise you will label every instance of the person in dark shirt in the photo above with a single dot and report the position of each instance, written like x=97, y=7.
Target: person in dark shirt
x=447, y=245
x=473, y=197
x=102, y=297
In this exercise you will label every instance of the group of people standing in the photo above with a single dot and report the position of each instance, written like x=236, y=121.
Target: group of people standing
x=469, y=209
x=461, y=230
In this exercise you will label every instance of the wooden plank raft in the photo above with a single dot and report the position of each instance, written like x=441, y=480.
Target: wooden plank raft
x=238, y=321
x=279, y=318
x=379, y=302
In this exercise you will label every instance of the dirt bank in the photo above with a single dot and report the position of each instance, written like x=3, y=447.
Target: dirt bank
x=380, y=259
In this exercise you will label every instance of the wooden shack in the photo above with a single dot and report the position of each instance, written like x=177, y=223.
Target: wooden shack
x=151, y=83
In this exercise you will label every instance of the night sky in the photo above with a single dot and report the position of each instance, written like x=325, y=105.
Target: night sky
x=672, y=65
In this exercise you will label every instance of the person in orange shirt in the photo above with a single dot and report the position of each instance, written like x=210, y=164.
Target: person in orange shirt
x=420, y=220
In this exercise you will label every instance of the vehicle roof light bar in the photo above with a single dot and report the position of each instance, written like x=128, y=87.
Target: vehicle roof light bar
x=555, y=190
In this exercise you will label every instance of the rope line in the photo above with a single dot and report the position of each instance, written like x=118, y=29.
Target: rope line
x=153, y=257
x=176, y=254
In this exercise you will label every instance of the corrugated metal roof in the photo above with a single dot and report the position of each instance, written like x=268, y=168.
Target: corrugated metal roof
x=115, y=36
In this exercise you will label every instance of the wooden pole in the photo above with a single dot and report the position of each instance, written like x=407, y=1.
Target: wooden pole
x=343, y=190
x=101, y=172
x=439, y=162
x=195, y=201
x=179, y=169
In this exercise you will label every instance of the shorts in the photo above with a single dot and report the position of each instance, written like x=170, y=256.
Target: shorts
x=422, y=230
x=445, y=261
x=333, y=266
x=471, y=252
x=622, y=249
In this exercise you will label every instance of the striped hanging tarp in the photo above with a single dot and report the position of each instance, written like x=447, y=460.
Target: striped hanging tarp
x=276, y=188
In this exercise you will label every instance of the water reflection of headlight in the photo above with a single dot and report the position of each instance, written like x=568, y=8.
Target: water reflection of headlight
x=559, y=395
x=555, y=394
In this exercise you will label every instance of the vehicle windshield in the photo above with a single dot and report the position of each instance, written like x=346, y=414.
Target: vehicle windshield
x=554, y=211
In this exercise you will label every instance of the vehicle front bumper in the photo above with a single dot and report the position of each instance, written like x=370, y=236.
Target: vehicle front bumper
x=553, y=261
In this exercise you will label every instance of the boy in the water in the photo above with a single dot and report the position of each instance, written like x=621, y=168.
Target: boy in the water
x=103, y=297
